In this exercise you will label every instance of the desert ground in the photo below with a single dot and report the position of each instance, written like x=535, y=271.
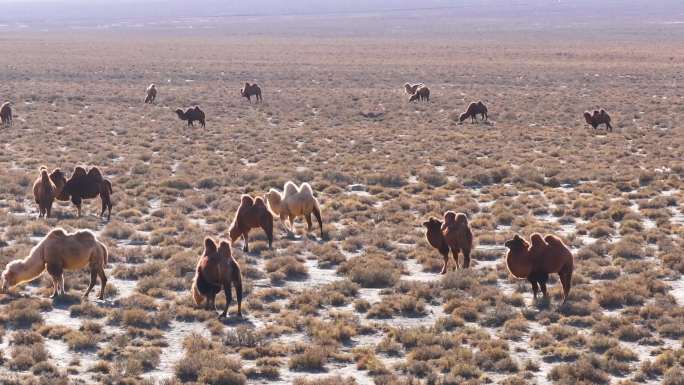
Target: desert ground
x=366, y=303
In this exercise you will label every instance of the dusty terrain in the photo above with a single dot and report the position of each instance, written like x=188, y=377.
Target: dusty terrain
x=364, y=305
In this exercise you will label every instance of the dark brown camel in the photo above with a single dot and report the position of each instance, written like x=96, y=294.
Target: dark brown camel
x=86, y=185
x=192, y=115
x=473, y=110
x=216, y=270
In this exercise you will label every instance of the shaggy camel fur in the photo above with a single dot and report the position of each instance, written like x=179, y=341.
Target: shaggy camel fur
x=151, y=93
x=45, y=191
x=217, y=269
x=251, y=214
x=597, y=118
x=473, y=110
x=422, y=93
x=192, y=115
x=294, y=202
x=57, y=252
x=410, y=89
x=250, y=90
x=455, y=235
x=6, y=114
x=88, y=185
x=545, y=256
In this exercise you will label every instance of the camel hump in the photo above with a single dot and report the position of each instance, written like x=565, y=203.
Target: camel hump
x=537, y=240
x=209, y=246
x=259, y=202
x=79, y=172
x=246, y=200
x=224, y=250
x=57, y=233
x=306, y=188
x=290, y=188
x=553, y=240
x=95, y=173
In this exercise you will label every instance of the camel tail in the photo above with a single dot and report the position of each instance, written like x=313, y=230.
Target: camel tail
x=105, y=255
x=108, y=186
x=196, y=295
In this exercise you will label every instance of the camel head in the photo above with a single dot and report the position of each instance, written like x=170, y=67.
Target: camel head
x=9, y=277
x=273, y=200
x=588, y=118
x=517, y=244
x=434, y=234
x=414, y=97
x=180, y=113
x=463, y=117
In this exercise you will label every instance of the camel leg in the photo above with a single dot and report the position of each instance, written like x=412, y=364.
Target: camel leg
x=290, y=219
x=244, y=237
x=317, y=214
x=566, y=281
x=229, y=298
x=535, y=288
x=237, y=278
x=609, y=127
x=49, y=209
x=454, y=253
x=545, y=292
x=309, y=225
x=56, y=273
x=445, y=254
x=93, y=279
x=103, y=283
x=267, y=226
x=466, y=258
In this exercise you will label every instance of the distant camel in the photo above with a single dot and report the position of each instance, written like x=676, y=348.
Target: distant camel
x=251, y=214
x=597, y=118
x=6, y=114
x=473, y=110
x=151, y=94
x=250, y=90
x=45, y=191
x=546, y=256
x=88, y=185
x=191, y=115
x=455, y=235
x=294, y=202
x=422, y=93
x=57, y=252
x=217, y=269
x=410, y=88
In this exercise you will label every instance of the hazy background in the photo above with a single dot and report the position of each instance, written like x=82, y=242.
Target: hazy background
x=630, y=19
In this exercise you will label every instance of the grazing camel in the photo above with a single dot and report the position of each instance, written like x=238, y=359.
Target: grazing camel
x=250, y=90
x=57, y=252
x=294, y=202
x=410, y=88
x=422, y=94
x=454, y=234
x=151, y=94
x=45, y=190
x=545, y=256
x=597, y=118
x=217, y=269
x=192, y=115
x=86, y=185
x=251, y=213
x=6, y=114
x=473, y=110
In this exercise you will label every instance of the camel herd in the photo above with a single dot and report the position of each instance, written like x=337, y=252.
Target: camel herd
x=217, y=268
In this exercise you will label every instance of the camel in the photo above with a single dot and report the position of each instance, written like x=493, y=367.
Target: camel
x=6, y=114
x=410, y=88
x=45, y=190
x=217, y=269
x=597, y=118
x=545, y=256
x=251, y=213
x=192, y=115
x=84, y=185
x=422, y=94
x=454, y=234
x=57, y=252
x=151, y=94
x=473, y=110
x=250, y=90
x=294, y=202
